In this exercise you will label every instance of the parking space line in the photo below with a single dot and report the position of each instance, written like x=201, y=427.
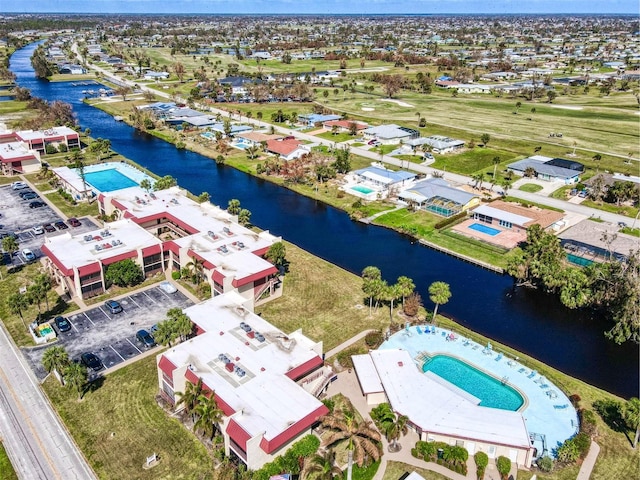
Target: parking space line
x=116, y=352
x=88, y=318
x=149, y=297
x=139, y=351
x=131, y=298
x=73, y=326
x=105, y=313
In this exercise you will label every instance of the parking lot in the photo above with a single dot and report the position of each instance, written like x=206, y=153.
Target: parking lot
x=17, y=217
x=111, y=336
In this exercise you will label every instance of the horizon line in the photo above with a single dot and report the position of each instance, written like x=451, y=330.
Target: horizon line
x=480, y=14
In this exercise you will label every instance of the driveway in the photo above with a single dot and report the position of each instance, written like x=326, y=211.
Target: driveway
x=112, y=337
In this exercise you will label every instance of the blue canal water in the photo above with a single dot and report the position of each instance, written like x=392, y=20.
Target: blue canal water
x=529, y=321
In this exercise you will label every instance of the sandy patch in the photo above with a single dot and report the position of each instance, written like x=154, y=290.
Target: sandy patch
x=566, y=107
x=368, y=109
x=397, y=102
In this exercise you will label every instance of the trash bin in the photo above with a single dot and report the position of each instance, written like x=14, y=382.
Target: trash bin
x=440, y=452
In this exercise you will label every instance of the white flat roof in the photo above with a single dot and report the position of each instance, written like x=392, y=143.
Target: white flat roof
x=50, y=132
x=514, y=218
x=80, y=250
x=71, y=177
x=269, y=401
x=13, y=150
x=438, y=409
x=367, y=374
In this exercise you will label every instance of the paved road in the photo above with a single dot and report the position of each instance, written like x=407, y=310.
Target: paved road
x=38, y=445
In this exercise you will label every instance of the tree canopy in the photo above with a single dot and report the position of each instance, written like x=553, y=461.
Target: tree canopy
x=124, y=273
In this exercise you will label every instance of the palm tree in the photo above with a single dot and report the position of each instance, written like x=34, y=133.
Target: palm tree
x=396, y=429
x=17, y=303
x=496, y=162
x=75, y=376
x=234, y=206
x=631, y=415
x=44, y=281
x=596, y=158
x=405, y=286
x=10, y=244
x=370, y=275
x=323, y=465
x=209, y=415
x=439, y=294
x=196, y=268
x=55, y=358
x=362, y=437
x=191, y=397
x=166, y=333
x=37, y=293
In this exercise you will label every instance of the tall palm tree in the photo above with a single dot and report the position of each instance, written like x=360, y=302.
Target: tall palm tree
x=362, y=437
x=405, y=286
x=190, y=398
x=323, y=465
x=44, y=281
x=396, y=429
x=209, y=415
x=439, y=294
x=196, y=269
x=496, y=162
x=75, y=377
x=17, y=304
x=55, y=358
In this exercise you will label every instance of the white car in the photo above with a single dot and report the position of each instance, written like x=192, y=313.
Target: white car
x=19, y=185
x=28, y=255
x=38, y=230
x=168, y=287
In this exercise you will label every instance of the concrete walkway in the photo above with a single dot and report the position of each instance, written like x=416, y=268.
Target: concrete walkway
x=347, y=343
x=589, y=462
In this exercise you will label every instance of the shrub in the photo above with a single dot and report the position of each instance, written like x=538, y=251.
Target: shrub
x=62, y=148
x=180, y=145
x=373, y=339
x=482, y=460
x=546, y=464
x=582, y=442
x=448, y=221
x=611, y=413
x=50, y=149
x=176, y=275
x=503, y=464
x=568, y=452
x=412, y=304
x=357, y=204
x=124, y=273
x=340, y=194
x=588, y=422
x=575, y=400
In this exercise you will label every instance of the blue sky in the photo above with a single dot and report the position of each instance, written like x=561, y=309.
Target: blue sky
x=322, y=6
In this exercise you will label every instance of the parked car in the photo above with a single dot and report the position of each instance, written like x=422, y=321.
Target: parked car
x=622, y=224
x=74, y=222
x=8, y=234
x=60, y=225
x=29, y=195
x=92, y=361
x=168, y=287
x=62, y=323
x=145, y=339
x=48, y=228
x=38, y=230
x=113, y=306
x=19, y=185
x=428, y=156
x=37, y=204
x=28, y=255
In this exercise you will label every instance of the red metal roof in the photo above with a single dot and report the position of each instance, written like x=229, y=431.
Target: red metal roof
x=118, y=258
x=166, y=366
x=66, y=271
x=89, y=269
x=283, y=147
x=172, y=247
x=301, y=370
x=17, y=159
x=238, y=282
x=207, y=264
x=261, y=251
x=151, y=250
x=238, y=434
x=224, y=406
x=270, y=446
x=218, y=277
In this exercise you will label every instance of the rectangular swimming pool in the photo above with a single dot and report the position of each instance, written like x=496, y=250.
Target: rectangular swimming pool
x=361, y=189
x=108, y=180
x=478, y=227
x=491, y=392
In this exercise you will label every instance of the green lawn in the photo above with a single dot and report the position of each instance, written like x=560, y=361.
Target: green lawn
x=6, y=469
x=337, y=138
x=474, y=160
x=79, y=210
x=118, y=424
x=396, y=469
x=530, y=187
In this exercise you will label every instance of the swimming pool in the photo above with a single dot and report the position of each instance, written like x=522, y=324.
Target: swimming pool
x=361, y=189
x=491, y=392
x=576, y=260
x=478, y=227
x=109, y=180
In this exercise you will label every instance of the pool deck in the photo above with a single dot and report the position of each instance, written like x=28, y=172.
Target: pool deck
x=547, y=411
x=505, y=238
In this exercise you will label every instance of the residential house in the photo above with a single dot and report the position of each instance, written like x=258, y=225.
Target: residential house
x=345, y=126
x=389, y=134
x=550, y=169
x=316, y=119
x=588, y=241
x=437, y=196
x=17, y=158
x=287, y=148
x=441, y=144
x=375, y=182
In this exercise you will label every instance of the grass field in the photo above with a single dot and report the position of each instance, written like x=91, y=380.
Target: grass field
x=118, y=424
x=531, y=187
x=395, y=470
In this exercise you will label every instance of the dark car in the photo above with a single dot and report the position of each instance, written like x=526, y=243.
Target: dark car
x=37, y=204
x=4, y=234
x=48, y=228
x=60, y=225
x=92, y=361
x=74, y=222
x=145, y=339
x=113, y=306
x=63, y=324
x=29, y=195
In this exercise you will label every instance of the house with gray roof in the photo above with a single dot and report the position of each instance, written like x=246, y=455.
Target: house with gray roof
x=440, y=144
x=549, y=169
x=390, y=134
x=588, y=241
x=437, y=196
